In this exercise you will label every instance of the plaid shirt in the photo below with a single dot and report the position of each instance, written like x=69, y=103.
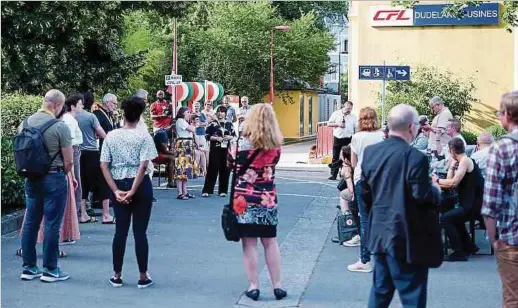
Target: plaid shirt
x=501, y=177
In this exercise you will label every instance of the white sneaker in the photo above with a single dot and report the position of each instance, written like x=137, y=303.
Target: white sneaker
x=360, y=267
x=354, y=242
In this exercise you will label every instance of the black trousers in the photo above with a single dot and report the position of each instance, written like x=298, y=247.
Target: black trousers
x=338, y=143
x=217, y=167
x=139, y=209
x=453, y=223
x=391, y=274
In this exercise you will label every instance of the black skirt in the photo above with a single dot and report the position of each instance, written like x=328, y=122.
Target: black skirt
x=252, y=230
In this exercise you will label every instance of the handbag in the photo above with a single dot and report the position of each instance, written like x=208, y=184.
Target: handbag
x=228, y=217
x=341, y=185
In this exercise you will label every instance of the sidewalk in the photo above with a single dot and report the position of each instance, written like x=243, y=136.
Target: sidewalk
x=296, y=156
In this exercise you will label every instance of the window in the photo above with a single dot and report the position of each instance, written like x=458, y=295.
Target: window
x=346, y=47
x=301, y=116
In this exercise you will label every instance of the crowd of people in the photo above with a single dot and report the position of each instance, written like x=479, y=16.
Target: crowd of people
x=95, y=150
x=402, y=184
x=406, y=183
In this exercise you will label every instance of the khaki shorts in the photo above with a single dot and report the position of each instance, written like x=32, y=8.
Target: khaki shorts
x=346, y=195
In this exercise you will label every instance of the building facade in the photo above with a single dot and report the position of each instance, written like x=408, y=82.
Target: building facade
x=477, y=47
x=338, y=58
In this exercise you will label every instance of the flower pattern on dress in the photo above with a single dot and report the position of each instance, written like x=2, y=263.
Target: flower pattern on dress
x=257, y=188
x=239, y=205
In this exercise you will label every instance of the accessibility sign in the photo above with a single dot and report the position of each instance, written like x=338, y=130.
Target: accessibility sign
x=171, y=80
x=384, y=72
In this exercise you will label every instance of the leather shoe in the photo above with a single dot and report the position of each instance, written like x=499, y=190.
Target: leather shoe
x=253, y=294
x=280, y=294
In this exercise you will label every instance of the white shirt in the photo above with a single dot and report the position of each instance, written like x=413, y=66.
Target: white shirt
x=351, y=124
x=440, y=122
x=75, y=131
x=446, y=150
x=480, y=157
x=359, y=142
x=181, y=129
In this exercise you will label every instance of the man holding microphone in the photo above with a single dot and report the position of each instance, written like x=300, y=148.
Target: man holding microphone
x=345, y=126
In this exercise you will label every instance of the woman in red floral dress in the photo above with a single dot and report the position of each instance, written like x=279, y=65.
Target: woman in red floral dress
x=255, y=196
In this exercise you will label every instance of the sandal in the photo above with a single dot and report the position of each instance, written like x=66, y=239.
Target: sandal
x=62, y=254
x=89, y=220
x=111, y=222
x=19, y=252
x=182, y=197
x=205, y=195
x=190, y=196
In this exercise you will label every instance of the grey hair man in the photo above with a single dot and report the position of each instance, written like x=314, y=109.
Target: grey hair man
x=484, y=142
x=438, y=137
x=243, y=111
x=142, y=94
x=403, y=250
x=47, y=195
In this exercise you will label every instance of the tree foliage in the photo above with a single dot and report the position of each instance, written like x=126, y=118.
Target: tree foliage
x=234, y=48
x=69, y=45
x=509, y=16
x=427, y=82
x=292, y=10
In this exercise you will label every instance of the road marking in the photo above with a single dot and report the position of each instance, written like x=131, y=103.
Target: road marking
x=307, y=196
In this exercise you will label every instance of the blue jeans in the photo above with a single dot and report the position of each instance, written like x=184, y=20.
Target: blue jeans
x=139, y=209
x=365, y=254
x=390, y=274
x=44, y=198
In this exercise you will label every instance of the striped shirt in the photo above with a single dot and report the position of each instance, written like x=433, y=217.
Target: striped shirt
x=500, y=186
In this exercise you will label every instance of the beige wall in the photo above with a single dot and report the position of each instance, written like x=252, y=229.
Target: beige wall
x=486, y=53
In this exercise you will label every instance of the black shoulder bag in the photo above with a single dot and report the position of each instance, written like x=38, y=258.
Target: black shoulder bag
x=228, y=217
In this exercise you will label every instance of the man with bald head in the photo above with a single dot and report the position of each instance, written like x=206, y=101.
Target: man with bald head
x=484, y=142
x=46, y=196
x=402, y=202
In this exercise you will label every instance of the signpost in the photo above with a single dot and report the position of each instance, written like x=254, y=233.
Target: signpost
x=384, y=73
x=172, y=80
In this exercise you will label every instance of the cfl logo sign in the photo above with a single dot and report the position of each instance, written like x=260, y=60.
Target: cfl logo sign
x=390, y=15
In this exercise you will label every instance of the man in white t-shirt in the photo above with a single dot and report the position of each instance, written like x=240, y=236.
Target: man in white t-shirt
x=453, y=131
x=439, y=139
x=345, y=126
x=484, y=142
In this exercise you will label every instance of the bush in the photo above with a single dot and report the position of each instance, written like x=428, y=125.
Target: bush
x=13, y=194
x=470, y=137
x=15, y=108
x=427, y=82
x=497, y=131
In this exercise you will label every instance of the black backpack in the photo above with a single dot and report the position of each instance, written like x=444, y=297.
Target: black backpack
x=30, y=152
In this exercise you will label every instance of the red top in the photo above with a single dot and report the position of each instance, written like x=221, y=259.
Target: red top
x=160, y=108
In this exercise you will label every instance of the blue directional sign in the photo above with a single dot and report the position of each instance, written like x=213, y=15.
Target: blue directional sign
x=384, y=72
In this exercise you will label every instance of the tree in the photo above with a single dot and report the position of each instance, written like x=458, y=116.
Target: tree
x=234, y=48
x=72, y=46
x=427, y=82
x=292, y=10
x=509, y=17
x=344, y=87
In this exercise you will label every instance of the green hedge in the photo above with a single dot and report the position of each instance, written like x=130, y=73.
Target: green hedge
x=470, y=137
x=496, y=130
x=15, y=108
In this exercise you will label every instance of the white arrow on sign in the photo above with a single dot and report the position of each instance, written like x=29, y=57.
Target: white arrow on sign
x=404, y=73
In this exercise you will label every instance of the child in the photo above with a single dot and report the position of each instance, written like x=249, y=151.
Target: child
x=346, y=195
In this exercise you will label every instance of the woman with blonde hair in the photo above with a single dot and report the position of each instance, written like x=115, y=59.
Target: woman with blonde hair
x=255, y=196
x=369, y=134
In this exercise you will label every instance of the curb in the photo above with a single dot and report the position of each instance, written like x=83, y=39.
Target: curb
x=12, y=222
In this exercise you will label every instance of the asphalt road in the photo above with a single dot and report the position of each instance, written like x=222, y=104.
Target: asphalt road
x=193, y=266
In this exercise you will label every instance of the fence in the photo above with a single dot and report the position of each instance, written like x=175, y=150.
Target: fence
x=324, y=139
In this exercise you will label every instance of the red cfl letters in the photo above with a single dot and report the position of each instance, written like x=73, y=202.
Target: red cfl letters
x=390, y=15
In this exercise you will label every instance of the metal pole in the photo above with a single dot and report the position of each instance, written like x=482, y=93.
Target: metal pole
x=271, y=66
x=383, y=96
x=175, y=67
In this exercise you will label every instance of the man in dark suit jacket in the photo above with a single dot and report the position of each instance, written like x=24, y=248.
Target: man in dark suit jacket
x=404, y=233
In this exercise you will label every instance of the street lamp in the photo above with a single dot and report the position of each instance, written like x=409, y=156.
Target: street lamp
x=280, y=28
